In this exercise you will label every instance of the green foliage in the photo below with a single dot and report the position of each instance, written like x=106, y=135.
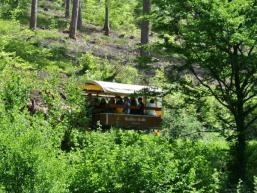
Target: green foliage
x=208, y=38
x=30, y=158
x=92, y=68
x=184, y=116
x=99, y=162
x=127, y=74
x=251, y=162
x=182, y=124
x=25, y=49
x=216, y=42
x=13, y=9
x=28, y=162
x=48, y=150
x=95, y=69
x=255, y=184
x=131, y=162
x=115, y=161
x=122, y=15
x=8, y=27
x=15, y=93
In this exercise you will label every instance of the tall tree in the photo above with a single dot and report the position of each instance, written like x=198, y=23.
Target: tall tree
x=145, y=26
x=80, y=23
x=218, y=44
x=33, y=17
x=106, y=28
x=74, y=19
x=67, y=8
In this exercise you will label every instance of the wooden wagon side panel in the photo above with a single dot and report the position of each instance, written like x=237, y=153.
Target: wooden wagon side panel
x=128, y=121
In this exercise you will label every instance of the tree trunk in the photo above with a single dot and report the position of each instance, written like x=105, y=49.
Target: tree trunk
x=106, y=28
x=145, y=27
x=67, y=8
x=238, y=154
x=33, y=19
x=80, y=23
x=238, y=165
x=74, y=19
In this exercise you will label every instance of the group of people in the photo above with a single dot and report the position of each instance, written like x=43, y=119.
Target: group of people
x=126, y=105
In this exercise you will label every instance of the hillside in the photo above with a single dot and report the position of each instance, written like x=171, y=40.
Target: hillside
x=203, y=56
x=119, y=52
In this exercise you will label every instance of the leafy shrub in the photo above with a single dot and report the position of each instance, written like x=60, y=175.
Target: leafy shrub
x=15, y=93
x=95, y=69
x=8, y=27
x=127, y=74
x=181, y=124
x=121, y=13
x=29, y=162
x=30, y=159
x=251, y=163
x=131, y=162
x=13, y=9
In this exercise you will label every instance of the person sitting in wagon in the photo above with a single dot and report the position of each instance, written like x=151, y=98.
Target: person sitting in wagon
x=133, y=104
x=119, y=102
x=151, y=104
x=127, y=105
x=111, y=105
x=140, y=106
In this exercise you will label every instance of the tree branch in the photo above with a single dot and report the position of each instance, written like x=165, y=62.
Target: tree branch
x=250, y=109
x=221, y=82
x=210, y=89
x=251, y=122
x=249, y=98
x=248, y=89
x=225, y=121
x=232, y=72
x=251, y=50
x=246, y=81
x=240, y=50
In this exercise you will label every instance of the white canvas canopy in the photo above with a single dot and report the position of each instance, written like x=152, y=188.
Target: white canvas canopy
x=118, y=88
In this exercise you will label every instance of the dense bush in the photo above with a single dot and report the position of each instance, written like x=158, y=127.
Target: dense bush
x=131, y=162
x=51, y=152
x=31, y=160
x=12, y=8
x=93, y=68
x=116, y=161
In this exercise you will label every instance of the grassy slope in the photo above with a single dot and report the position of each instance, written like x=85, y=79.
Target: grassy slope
x=118, y=49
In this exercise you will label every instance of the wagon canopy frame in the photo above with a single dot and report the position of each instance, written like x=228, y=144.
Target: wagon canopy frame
x=113, y=88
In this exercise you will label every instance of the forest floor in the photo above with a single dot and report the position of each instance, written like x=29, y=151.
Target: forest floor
x=118, y=48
